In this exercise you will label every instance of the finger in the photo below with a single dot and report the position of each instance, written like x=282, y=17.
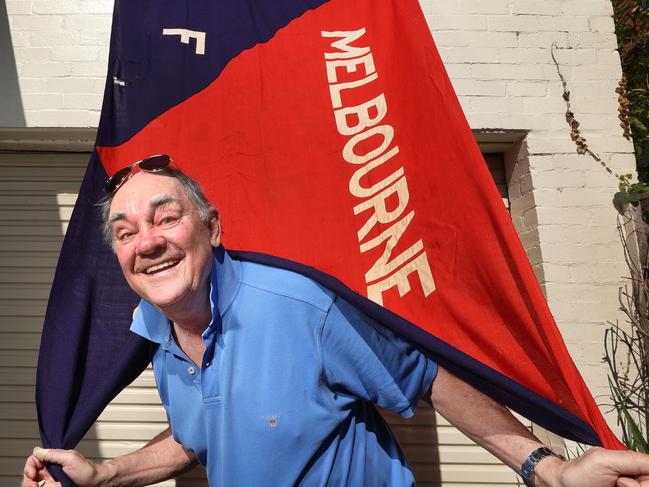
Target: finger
x=32, y=468
x=53, y=455
x=41, y=453
x=627, y=482
x=624, y=462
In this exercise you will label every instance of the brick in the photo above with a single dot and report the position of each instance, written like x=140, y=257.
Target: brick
x=61, y=118
x=540, y=162
x=47, y=101
x=492, y=39
x=602, y=180
x=97, y=6
x=89, y=23
x=480, y=88
x=75, y=53
x=608, y=56
x=605, y=144
x=508, y=71
x=516, y=23
x=526, y=88
x=18, y=7
x=440, y=6
x=20, y=38
x=558, y=179
x=556, y=272
x=575, y=57
x=461, y=22
x=592, y=39
x=450, y=38
x=576, y=216
x=548, y=7
x=602, y=104
x=530, y=219
x=45, y=70
x=33, y=85
x=542, y=39
x=597, y=72
x=602, y=24
x=539, y=106
x=469, y=54
x=80, y=69
x=599, y=272
x=55, y=6
x=35, y=22
x=623, y=162
x=97, y=38
x=54, y=38
x=576, y=293
x=563, y=23
x=484, y=121
x=83, y=101
x=490, y=7
x=483, y=104
x=518, y=121
x=581, y=311
x=458, y=71
x=524, y=55
x=73, y=85
x=565, y=252
x=31, y=54
x=578, y=7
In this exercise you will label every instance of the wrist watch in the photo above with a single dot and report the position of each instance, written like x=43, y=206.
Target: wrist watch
x=529, y=465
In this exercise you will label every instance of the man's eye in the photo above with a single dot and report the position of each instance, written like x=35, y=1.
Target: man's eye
x=122, y=237
x=167, y=220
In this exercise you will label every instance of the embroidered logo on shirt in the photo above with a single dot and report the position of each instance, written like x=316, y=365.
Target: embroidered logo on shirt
x=272, y=420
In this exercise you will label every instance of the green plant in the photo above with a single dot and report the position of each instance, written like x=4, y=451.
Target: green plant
x=632, y=29
x=627, y=345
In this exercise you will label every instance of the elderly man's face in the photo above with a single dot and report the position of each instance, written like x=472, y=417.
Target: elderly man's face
x=163, y=247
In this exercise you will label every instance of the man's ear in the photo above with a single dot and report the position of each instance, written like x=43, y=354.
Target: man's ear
x=214, y=226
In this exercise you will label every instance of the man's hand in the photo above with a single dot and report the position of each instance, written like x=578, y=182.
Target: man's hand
x=161, y=459
x=596, y=468
x=494, y=428
x=81, y=471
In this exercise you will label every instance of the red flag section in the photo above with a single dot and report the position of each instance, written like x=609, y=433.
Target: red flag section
x=340, y=144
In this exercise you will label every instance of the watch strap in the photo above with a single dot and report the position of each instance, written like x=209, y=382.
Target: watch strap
x=529, y=465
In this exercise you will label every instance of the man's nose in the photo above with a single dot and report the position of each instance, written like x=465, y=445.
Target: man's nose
x=150, y=241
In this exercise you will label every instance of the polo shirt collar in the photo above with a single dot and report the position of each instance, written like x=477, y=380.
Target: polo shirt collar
x=225, y=279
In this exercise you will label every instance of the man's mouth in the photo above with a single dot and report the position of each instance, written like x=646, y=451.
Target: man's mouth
x=160, y=267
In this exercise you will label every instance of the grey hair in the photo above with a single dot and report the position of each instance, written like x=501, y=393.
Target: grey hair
x=192, y=189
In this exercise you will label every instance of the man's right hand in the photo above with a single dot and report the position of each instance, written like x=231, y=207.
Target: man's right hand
x=160, y=459
x=81, y=471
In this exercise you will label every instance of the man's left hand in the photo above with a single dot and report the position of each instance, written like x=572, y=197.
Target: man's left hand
x=596, y=468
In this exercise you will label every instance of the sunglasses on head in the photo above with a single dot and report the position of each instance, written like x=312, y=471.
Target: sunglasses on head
x=154, y=163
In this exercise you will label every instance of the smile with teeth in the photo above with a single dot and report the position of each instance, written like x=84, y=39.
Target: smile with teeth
x=159, y=267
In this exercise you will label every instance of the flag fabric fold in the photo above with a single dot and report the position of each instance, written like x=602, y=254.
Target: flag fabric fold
x=330, y=138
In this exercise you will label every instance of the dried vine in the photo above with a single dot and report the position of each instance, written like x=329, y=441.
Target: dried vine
x=575, y=132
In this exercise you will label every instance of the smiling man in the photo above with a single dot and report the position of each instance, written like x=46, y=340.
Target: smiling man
x=268, y=378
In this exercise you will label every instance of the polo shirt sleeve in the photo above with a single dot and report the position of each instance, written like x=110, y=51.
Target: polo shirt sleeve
x=363, y=359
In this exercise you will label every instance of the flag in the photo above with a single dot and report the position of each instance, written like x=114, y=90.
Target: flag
x=330, y=138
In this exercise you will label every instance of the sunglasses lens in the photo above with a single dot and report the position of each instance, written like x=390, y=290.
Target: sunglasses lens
x=116, y=179
x=155, y=163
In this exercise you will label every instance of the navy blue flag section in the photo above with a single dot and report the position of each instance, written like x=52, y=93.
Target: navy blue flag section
x=330, y=138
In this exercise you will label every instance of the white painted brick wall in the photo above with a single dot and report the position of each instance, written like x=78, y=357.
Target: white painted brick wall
x=569, y=212
x=61, y=51
x=497, y=53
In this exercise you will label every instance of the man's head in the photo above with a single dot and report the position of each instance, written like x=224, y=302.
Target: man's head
x=162, y=230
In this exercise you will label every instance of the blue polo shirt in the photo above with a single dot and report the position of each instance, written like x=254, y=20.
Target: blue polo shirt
x=284, y=394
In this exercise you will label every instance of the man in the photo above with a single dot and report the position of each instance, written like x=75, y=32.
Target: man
x=267, y=378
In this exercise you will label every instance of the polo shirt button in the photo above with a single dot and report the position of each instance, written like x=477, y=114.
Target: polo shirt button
x=191, y=370
x=207, y=364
